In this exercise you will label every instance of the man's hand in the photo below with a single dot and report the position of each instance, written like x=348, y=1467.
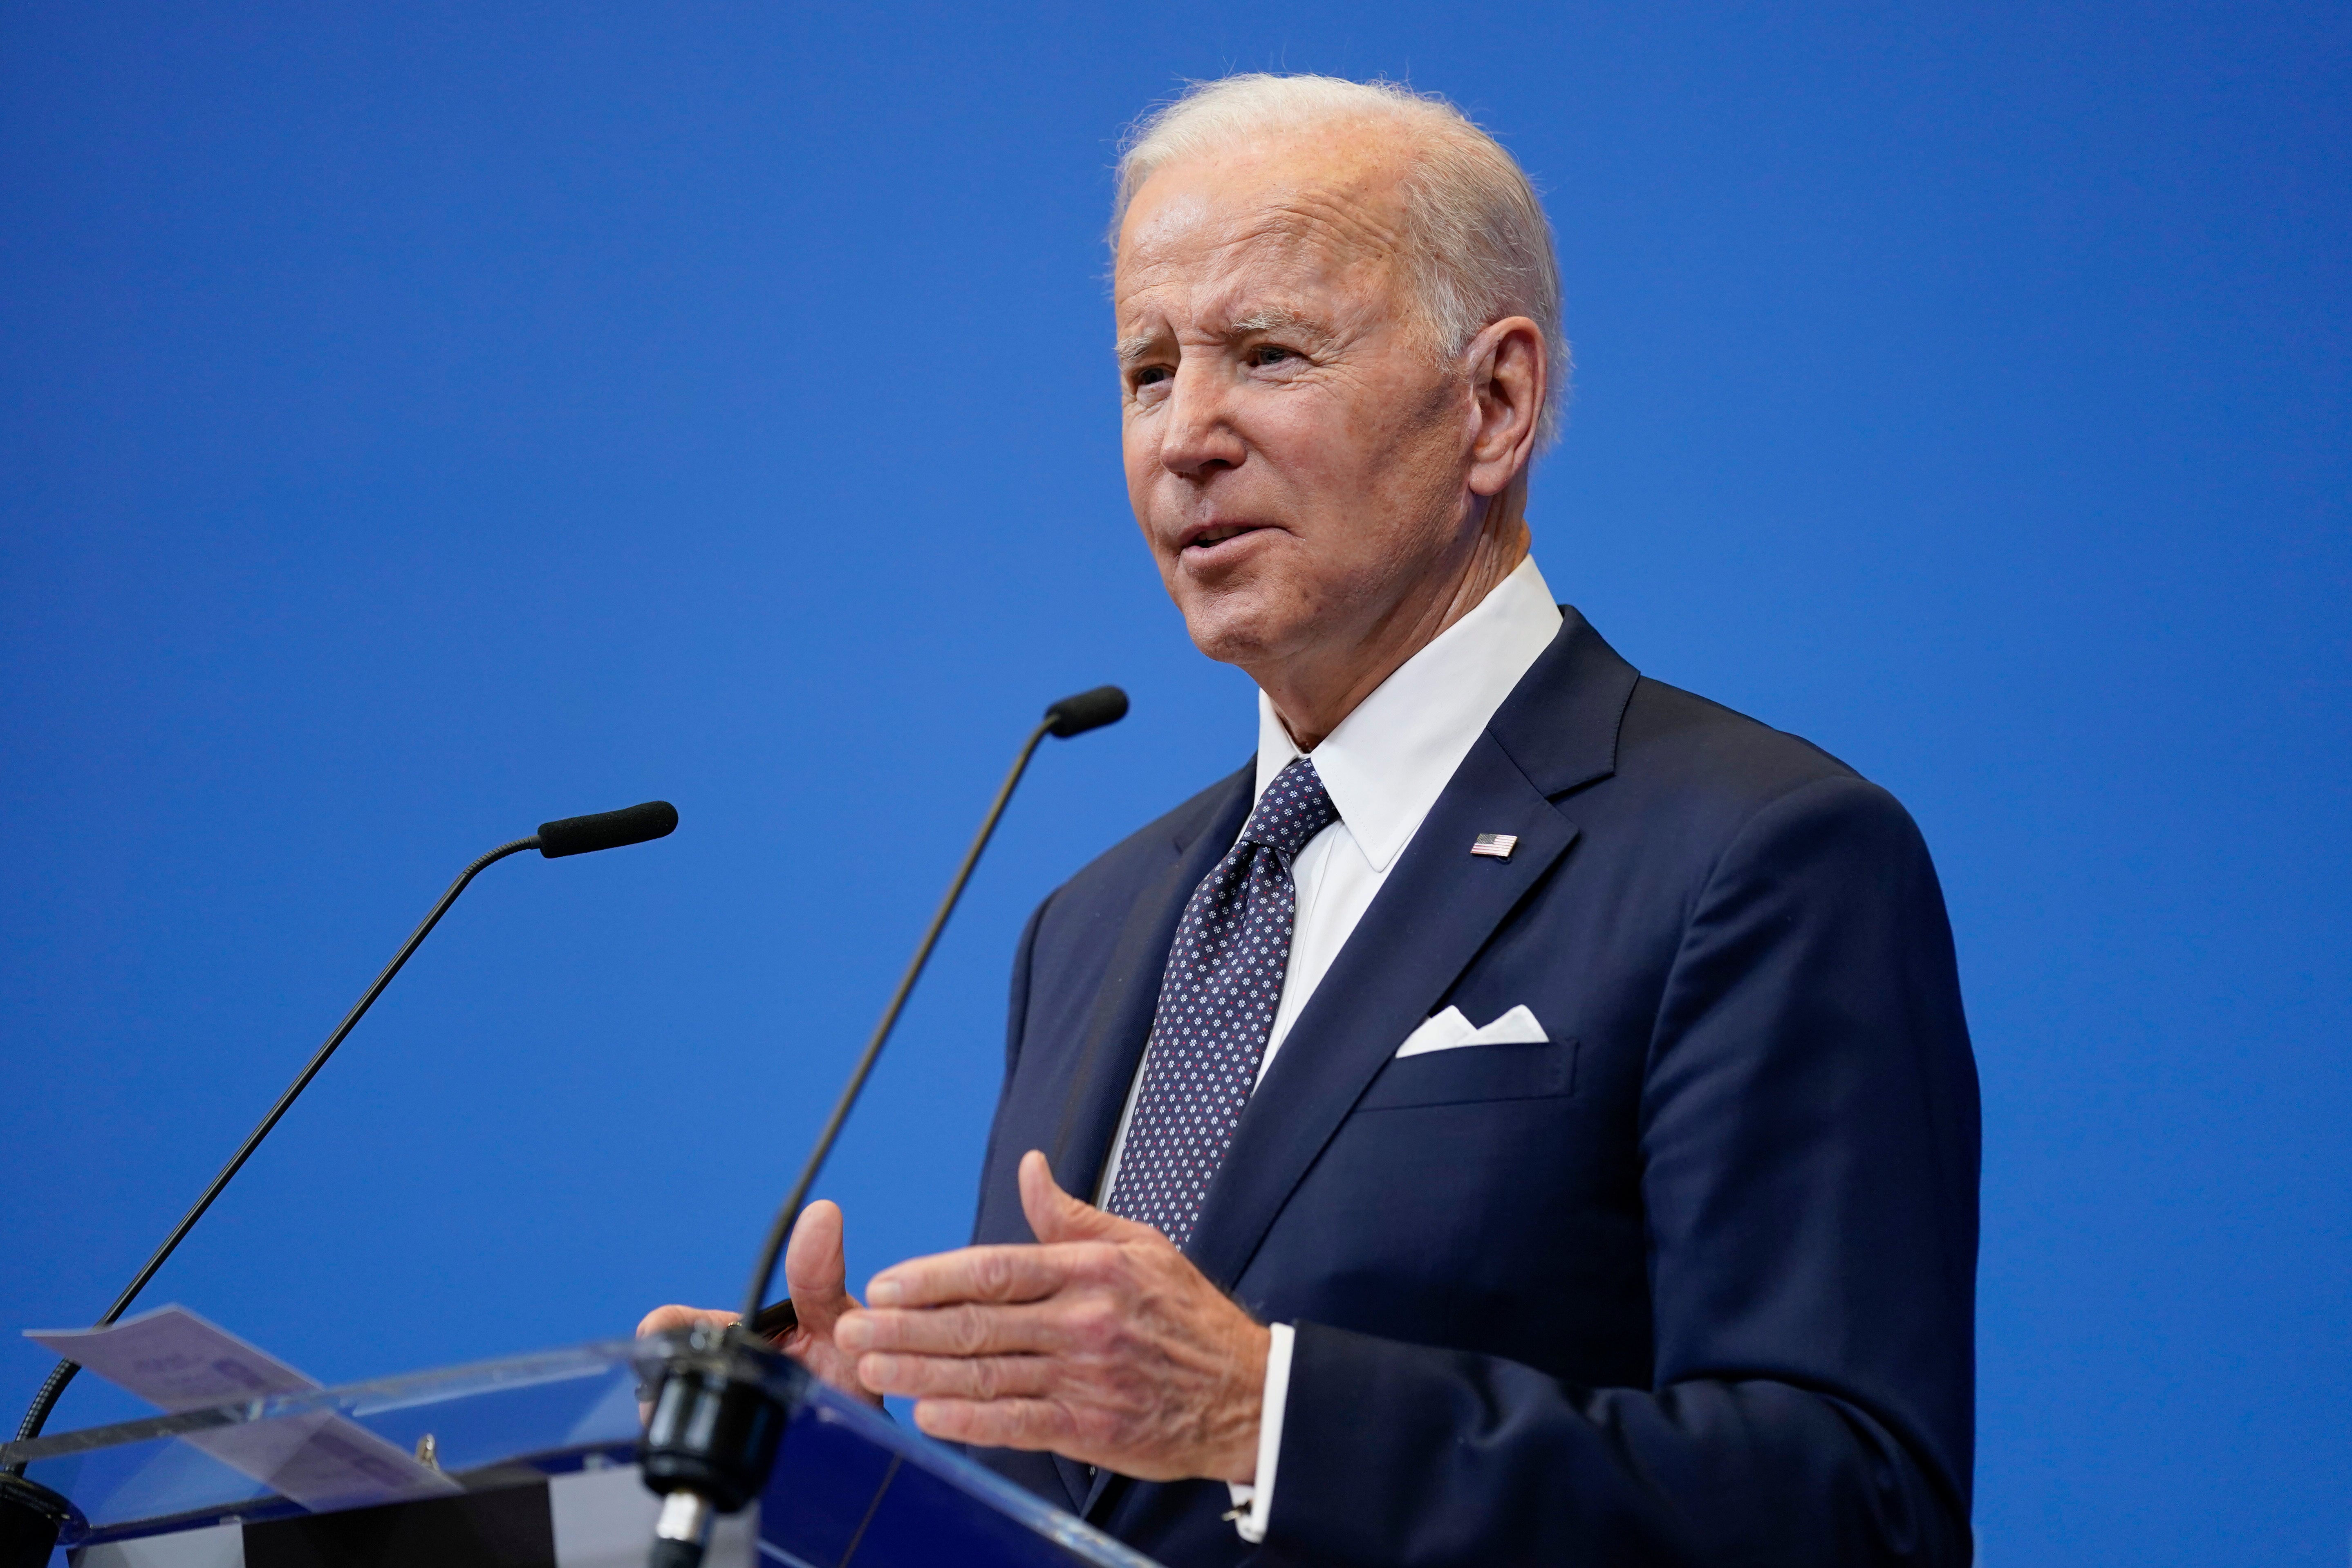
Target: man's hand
x=1102, y=1343
x=817, y=1277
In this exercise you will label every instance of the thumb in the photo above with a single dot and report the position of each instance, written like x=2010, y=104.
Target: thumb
x=1055, y=1215
x=815, y=1272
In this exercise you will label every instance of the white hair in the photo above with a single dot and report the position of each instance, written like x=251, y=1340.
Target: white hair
x=1476, y=246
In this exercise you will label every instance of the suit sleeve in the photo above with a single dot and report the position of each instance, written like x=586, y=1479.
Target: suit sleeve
x=1809, y=1135
x=1016, y=1024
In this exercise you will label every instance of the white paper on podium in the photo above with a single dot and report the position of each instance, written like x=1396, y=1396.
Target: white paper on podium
x=319, y=1458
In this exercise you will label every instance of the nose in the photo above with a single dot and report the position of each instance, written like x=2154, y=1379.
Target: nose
x=1197, y=435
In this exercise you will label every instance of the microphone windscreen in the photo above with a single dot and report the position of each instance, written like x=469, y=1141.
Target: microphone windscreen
x=607, y=829
x=1087, y=710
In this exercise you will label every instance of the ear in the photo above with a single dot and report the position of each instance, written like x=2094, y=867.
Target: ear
x=1508, y=380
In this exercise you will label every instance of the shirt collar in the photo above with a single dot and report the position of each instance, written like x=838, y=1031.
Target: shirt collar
x=1389, y=760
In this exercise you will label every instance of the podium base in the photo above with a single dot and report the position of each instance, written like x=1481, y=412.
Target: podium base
x=31, y=1516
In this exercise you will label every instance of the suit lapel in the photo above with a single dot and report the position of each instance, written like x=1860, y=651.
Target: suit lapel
x=1556, y=730
x=1121, y=1020
x=1429, y=919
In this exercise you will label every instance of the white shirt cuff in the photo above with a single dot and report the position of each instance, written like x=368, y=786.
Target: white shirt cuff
x=1253, y=1503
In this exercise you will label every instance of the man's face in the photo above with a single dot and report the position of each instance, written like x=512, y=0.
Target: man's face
x=1294, y=453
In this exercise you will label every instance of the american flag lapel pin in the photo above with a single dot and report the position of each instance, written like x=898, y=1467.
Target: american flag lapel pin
x=1498, y=844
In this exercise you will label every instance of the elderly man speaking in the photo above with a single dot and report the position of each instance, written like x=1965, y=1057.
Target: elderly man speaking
x=1525, y=1114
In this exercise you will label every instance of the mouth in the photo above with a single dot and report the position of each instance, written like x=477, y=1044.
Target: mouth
x=1209, y=539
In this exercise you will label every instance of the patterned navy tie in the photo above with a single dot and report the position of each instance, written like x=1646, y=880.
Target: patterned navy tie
x=1217, y=1001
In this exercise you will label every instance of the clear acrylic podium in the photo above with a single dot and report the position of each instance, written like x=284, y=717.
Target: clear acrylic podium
x=532, y=1463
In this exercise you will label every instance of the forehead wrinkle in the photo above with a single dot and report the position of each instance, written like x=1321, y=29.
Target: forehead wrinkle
x=1344, y=223
x=1228, y=305
x=1306, y=248
x=1312, y=233
x=1352, y=219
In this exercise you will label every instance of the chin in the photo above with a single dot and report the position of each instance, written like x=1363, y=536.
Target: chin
x=1239, y=627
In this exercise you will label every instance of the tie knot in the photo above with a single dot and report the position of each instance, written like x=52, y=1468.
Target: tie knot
x=1294, y=809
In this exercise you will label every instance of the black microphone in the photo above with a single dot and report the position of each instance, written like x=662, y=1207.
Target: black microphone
x=24, y=1505
x=607, y=829
x=718, y=1406
x=1087, y=710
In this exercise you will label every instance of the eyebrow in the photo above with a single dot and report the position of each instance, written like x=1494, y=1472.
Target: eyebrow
x=1272, y=320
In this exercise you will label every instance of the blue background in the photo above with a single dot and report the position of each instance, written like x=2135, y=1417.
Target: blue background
x=422, y=421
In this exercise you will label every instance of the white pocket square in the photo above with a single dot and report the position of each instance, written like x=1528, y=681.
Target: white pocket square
x=1450, y=1030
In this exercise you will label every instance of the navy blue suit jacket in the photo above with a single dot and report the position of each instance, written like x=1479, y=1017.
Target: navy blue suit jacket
x=1693, y=1283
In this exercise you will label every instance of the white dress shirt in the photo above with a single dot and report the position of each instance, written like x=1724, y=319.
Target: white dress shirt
x=1384, y=767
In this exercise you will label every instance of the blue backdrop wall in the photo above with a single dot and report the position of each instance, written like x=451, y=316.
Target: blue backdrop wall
x=422, y=421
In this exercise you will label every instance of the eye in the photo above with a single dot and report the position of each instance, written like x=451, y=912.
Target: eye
x=1270, y=353
x=1149, y=375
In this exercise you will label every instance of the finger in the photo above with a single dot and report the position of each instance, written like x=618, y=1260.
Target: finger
x=960, y=1377
x=998, y=1423
x=964, y=1329
x=1055, y=1215
x=1005, y=1273
x=815, y=1273
x=661, y=1320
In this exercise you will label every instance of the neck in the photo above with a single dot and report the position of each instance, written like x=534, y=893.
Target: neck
x=1313, y=692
